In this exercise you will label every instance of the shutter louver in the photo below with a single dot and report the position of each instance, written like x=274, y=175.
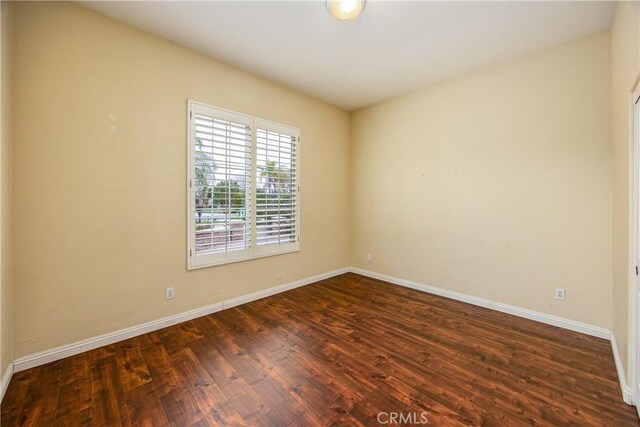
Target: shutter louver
x=276, y=188
x=222, y=161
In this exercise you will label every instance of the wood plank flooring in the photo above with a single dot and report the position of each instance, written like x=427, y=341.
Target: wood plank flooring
x=338, y=352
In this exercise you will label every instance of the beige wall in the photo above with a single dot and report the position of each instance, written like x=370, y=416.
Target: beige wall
x=496, y=184
x=99, y=215
x=625, y=71
x=6, y=305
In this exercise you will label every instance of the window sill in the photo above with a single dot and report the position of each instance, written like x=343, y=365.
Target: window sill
x=295, y=248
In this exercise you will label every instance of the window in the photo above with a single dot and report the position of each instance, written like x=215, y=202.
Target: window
x=244, y=194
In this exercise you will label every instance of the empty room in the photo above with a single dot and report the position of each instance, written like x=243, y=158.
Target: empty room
x=319, y=213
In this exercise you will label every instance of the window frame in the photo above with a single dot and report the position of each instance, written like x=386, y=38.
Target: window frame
x=195, y=261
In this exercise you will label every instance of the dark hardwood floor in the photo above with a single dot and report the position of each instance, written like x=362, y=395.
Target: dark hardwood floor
x=338, y=352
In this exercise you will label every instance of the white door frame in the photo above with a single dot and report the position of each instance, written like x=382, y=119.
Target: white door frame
x=634, y=329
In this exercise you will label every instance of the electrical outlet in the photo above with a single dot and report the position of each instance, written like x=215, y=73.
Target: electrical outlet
x=369, y=257
x=560, y=294
x=169, y=293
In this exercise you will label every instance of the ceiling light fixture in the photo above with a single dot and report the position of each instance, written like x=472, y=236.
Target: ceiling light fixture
x=345, y=10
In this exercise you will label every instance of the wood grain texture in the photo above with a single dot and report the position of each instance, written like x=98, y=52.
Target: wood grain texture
x=337, y=352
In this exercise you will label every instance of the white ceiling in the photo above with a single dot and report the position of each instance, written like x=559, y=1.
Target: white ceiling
x=393, y=47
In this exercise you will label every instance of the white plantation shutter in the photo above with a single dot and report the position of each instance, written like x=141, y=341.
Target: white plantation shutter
x=244, y=199
x=277, y=195
x=221, y=185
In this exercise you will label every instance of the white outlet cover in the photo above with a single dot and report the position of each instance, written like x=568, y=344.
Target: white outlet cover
x=560, y=294
x=170, y=293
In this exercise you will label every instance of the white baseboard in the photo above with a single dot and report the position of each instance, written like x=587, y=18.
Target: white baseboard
x=549, y=319
x=61, y=352
x=622, y=378
x=5, y=379
x=243, y=299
